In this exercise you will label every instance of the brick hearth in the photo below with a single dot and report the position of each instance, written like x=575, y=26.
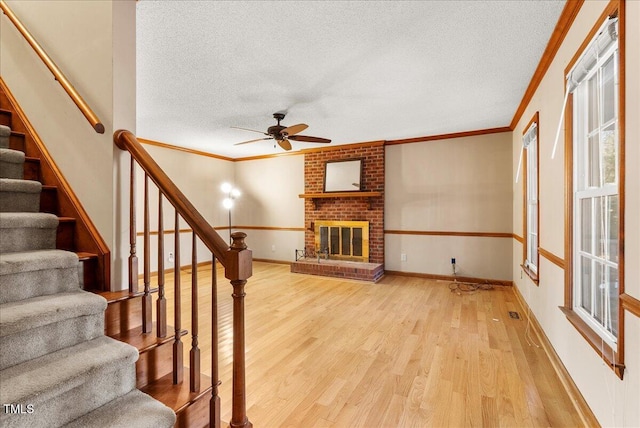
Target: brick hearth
x=339, y=269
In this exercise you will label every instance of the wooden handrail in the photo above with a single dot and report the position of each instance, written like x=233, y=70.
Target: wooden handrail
x=69, y=89
x=125, y=140
x=237, y=262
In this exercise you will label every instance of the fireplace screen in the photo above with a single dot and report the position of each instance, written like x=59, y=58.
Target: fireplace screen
x=343, y=240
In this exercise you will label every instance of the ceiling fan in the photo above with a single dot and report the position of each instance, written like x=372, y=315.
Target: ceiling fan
x=282, y=134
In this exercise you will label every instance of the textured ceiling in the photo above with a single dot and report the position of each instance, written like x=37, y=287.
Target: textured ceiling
x=353, y=71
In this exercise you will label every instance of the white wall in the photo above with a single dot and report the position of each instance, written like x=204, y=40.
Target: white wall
x=614, y=402
x=79, y=37
x=453, y=185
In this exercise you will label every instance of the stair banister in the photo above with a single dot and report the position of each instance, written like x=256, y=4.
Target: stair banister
x=126, y=141
x=59, y=76
x=237, y=262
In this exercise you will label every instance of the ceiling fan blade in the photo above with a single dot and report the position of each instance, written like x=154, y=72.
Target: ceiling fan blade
x=247, y=129
x=294, y=129
x=309, y=139
x=285, y=144
x=252, y=141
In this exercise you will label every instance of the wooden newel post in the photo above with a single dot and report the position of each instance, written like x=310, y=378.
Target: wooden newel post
x=238, y=270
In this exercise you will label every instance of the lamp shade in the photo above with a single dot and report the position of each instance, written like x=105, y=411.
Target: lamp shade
x=226, y=187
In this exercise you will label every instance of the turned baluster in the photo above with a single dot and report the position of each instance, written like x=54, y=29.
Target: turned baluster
x=214, y=404
x=238, y=270
x=177, y=343
x=194, y=354
x=146, y=298
x=133, y=258
x=161, y=303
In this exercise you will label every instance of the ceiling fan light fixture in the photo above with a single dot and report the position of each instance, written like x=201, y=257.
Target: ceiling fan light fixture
x=281, y=133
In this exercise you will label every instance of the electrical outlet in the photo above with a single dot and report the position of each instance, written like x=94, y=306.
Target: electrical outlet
x=170, y=258
x=403, y=257
x=273, y=248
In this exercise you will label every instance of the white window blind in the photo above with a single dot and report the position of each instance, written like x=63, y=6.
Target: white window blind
x=605, y=39
x=526, y=140
x=530, y=144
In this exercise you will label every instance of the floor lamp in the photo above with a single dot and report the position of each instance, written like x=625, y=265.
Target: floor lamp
x=232, y=194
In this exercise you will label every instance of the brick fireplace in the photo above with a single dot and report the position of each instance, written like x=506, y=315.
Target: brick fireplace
x=351, y=207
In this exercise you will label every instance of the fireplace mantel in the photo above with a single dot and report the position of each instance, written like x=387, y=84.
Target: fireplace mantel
x=314, y=196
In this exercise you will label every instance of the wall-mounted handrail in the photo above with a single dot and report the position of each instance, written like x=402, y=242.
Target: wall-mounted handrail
x=66, y=85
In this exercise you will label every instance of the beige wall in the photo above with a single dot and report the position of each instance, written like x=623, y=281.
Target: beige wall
x=454, y=185
x=632, y=212
x=79, y=37
x=124, y=117
x=270, y=189
x=614, y=402
x=84, y=156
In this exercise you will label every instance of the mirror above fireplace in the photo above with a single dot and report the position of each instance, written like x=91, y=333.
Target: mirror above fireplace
x=343, y=176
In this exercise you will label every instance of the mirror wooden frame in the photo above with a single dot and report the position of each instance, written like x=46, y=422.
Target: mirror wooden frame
x=343, y=176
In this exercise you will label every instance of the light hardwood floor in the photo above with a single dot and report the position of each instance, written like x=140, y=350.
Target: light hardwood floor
x=405, y=352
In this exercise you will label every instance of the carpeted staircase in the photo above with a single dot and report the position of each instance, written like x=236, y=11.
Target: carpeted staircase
x=57, y=367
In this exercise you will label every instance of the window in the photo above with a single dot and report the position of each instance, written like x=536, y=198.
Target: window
x=595, y=144
x=596, y=213
x=530, y=147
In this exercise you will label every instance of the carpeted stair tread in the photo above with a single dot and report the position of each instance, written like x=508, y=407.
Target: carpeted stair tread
x=11, y=164
x=27, y=231
x=18, y=195
x=24, y=261
x=32, y=220
x=37, y=326
x=37, y=273
x=44, y=378
x=135, y=409
x=19, y=185
x=39, y=311
x=13, y=156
